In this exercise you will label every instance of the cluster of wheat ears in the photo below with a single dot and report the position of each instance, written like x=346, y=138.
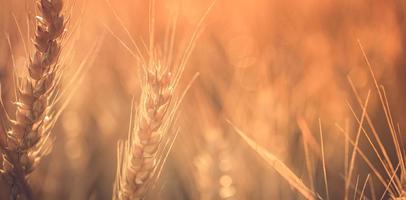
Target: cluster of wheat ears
x=25, y=137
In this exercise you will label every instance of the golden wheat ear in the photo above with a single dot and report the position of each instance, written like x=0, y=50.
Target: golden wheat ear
x=138, y=156
x=25, y=137
x=151, y=136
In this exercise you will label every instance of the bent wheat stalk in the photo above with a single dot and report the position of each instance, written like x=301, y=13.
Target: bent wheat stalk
x=279, y=166
x=25, y=138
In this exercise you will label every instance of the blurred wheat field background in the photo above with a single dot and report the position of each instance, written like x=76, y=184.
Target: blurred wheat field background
x=289, y=95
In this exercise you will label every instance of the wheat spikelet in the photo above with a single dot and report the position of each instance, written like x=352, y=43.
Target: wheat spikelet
x=26, y=136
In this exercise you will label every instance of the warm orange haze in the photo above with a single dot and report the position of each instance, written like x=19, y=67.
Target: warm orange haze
x=202, y=99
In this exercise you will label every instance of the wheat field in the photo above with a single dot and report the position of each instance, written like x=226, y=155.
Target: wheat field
x=202, y=99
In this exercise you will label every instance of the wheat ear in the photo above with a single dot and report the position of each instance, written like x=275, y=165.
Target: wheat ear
x=26, y=135
x=140, y=155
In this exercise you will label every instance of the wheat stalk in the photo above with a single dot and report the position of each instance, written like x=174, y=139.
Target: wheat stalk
x=26, y=136
x=279, y=166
